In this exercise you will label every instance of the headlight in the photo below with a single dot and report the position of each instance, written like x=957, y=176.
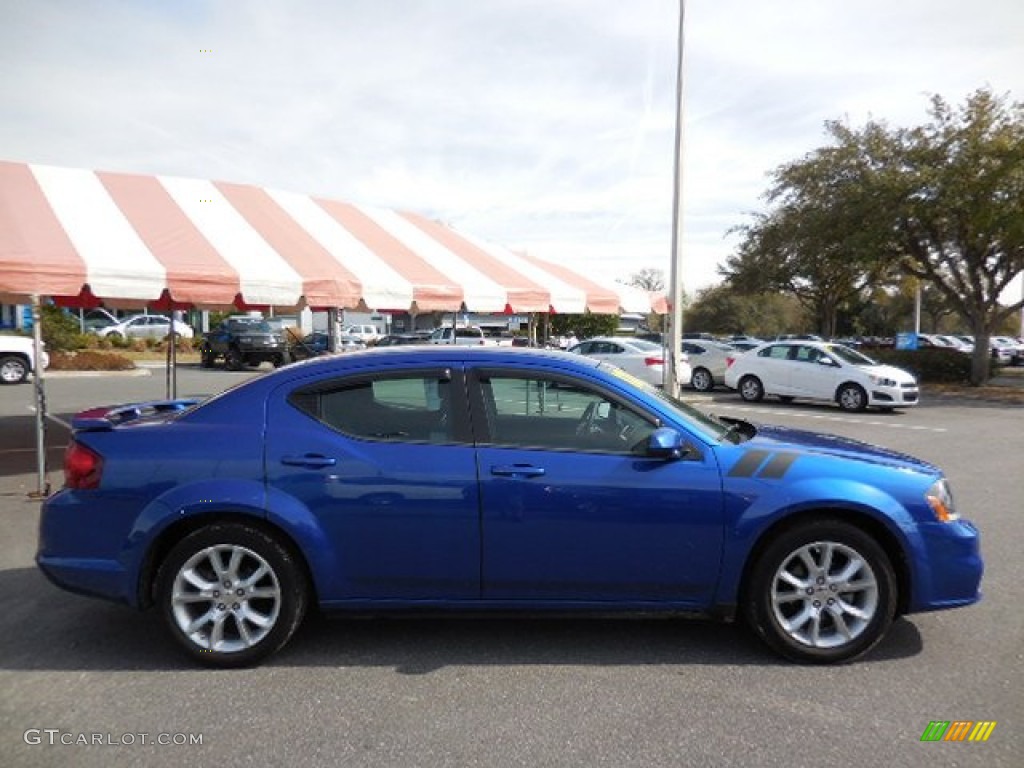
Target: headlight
x=881, y=381
x=940, y=499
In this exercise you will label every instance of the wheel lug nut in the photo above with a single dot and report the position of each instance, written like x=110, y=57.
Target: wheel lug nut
x=817, y=603
x=821, y=579
x=831, y=601
x=235, y=607
x=239, y=592
x=227, y=585
x=216, y=593
x=810, y=590
x=220, y=606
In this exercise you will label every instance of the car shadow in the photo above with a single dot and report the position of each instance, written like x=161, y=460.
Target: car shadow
x=44, y=628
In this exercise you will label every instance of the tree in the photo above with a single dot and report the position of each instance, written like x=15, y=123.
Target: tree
x=585, y=325
x=812, y=243
x=722, y=309
x=647, y=279
x=943, y=202
x=957, y=189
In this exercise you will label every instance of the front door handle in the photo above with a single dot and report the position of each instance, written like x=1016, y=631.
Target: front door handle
x=311, y=460
x=517, y=470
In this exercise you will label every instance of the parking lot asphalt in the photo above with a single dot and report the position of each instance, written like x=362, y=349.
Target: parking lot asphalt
x=500, y=692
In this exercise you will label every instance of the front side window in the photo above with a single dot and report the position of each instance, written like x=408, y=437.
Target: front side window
x=533, y=412
x=410, y=408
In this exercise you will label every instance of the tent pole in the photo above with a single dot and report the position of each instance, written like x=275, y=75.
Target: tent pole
x=38, y=383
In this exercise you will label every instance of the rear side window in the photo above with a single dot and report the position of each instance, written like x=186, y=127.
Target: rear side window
x=413, y=408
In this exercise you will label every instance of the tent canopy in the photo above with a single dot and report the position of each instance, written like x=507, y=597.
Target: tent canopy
x=85, y=236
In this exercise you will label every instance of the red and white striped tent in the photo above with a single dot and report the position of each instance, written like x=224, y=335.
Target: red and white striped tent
x=85, y=236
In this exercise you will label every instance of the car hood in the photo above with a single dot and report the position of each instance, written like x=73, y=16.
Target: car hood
x=890, y=372
x=783, y=438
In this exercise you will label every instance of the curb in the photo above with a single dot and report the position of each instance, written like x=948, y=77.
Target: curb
x=96, y=374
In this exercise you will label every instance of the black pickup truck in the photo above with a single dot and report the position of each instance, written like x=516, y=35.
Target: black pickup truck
x=243, y=341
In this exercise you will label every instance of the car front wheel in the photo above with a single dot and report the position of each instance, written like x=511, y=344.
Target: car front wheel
x=821, y=592
x=852, y=397
x=231, y=594
x=751, y=389
x=233, y=360
x=13, y=370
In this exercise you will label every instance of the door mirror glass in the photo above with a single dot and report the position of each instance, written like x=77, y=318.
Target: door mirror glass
x=666, y=443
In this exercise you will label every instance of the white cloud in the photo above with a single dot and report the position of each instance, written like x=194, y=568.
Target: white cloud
x=546, y=125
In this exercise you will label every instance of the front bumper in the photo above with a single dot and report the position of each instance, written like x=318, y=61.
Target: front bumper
x=893, y=397
x=947, y=566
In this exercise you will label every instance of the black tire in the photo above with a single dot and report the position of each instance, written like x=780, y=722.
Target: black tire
x=751, y=389
x=283, y=359
x=206, y=359
x=224, y=633
x=852, y=397
x=233, y=359
x=13, y=369
x=702, y=380
x=817, y=613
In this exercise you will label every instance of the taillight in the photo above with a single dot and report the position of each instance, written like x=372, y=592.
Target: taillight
x=654, y=361
x=82, y=467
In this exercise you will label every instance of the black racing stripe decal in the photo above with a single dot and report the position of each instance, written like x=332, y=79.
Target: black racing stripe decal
x=777, y=466
x=748, y=464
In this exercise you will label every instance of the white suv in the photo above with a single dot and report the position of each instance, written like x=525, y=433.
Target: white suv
x=17, y=359
x=368, y=334
x=470, y=336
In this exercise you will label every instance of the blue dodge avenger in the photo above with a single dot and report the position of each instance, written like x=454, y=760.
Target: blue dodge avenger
x=463, y=479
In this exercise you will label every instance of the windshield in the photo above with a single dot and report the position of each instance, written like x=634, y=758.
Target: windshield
x=709, y=425
x=249, y=326
x=847, y=355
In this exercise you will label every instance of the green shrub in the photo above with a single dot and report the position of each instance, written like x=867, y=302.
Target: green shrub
x=89, y=360
x=59, y=330
x=929, y=365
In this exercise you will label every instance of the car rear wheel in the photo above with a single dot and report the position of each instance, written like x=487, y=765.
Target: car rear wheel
x=283, y=359
x=821, y=592
x=231, y=594
x=702, y=380
x=751, y=389
x=13, y=369
x=852, y=397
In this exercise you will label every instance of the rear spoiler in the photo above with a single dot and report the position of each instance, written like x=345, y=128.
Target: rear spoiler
x=108, y=417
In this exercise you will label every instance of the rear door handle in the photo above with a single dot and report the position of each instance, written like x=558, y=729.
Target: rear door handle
x=517, y=470
x=311, y=460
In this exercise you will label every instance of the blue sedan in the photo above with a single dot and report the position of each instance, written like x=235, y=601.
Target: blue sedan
x=488, y=479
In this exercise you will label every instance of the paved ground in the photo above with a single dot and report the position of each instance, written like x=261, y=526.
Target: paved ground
x=505, y=693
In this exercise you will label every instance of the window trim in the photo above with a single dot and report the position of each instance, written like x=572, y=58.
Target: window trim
x=478, y=409
x=461, y=434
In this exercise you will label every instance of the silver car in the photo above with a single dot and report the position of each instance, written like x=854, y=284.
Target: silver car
x=643, y=359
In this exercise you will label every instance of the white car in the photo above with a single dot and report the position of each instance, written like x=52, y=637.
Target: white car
x=708, y=361
x=820, y=371
x=17, y=359
x=146, y=327
x=470, y=336
x=643, y=359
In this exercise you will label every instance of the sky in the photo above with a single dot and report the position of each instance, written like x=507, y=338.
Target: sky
x=544, y=125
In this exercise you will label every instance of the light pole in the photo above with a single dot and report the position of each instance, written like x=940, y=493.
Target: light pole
x=675, y=327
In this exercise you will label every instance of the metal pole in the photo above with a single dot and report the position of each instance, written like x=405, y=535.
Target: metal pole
x=38, y=383
x=917, y=305
x=675, y=328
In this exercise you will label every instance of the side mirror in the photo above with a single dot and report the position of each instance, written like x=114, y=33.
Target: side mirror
x=826, y=361
x=666, y=443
